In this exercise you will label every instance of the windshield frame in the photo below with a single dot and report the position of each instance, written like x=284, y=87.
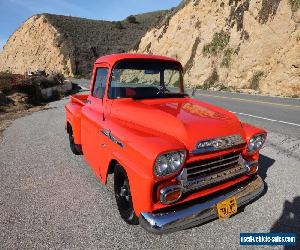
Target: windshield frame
x=165, y=95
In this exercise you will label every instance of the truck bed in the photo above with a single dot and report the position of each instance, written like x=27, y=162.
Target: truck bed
x=79, y=99
x=73, y=115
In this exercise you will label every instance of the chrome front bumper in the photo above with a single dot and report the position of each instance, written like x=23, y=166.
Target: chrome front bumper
x=196, y=214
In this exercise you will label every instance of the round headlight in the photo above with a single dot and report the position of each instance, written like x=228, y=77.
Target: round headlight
x=169, y=163
x=256, y=142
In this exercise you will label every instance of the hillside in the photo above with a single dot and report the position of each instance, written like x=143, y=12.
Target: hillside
x=233, y=44
x=70, y=44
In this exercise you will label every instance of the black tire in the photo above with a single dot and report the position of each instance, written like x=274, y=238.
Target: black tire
x=123, y=196
x=74, y=147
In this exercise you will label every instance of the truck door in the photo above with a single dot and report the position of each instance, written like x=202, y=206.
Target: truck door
x=94, y=142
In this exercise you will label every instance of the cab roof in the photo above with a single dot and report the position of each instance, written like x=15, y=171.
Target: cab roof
x=114, y=58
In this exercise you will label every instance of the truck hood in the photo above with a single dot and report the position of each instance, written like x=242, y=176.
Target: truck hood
x=184, y=119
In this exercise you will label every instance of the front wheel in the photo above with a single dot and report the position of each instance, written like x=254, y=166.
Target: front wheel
x=123, y=196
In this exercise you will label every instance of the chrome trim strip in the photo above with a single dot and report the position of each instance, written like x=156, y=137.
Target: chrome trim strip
x=108, y=134
x=200, y=213
x=219, y=143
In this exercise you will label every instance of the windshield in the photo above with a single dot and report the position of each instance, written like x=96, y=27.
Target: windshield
x=146, y=79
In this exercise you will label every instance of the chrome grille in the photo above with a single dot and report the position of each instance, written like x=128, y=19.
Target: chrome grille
x=209, y=166
x=212, y=171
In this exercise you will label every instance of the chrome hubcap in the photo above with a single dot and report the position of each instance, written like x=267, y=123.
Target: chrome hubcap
x=124, y=192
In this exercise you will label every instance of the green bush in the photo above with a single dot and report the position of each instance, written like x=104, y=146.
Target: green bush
x=54, y=79
x=119, y=25
x=211, y=80
x=219, y=42
x=5, y=81
x=57, y=77
x=227, y=58
x=254, y=81
x=295, y=5
x=10, y=82
x=131, y=19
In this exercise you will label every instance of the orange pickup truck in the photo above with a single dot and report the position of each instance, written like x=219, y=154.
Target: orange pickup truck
x=177, y=162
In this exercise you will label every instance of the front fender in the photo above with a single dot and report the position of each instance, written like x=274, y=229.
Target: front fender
x=137, y=157
x=141, y=184
x=250, y=131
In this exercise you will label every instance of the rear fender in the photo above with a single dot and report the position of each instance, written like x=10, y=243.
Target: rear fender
x=73, y=119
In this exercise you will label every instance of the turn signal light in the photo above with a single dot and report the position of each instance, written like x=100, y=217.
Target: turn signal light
x=252, y=169
x=170, y=194
x=173, y=196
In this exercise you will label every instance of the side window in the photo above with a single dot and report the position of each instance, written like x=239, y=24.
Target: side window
x=100, y=82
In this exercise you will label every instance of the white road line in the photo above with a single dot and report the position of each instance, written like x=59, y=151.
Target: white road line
x=83, y=88
x=268, y=119
x=248, y=100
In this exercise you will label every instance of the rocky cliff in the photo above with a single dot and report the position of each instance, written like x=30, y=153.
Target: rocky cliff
x=238, y=44
x=69, y=44
x=246, y=44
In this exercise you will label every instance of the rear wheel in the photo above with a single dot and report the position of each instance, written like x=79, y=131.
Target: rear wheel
x=74, y=147
x=123, y=196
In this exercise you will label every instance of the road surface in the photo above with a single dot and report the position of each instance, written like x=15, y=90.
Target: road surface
x=50, y=198
x=281, y=115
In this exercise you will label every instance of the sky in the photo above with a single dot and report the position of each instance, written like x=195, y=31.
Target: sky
x=14, y=12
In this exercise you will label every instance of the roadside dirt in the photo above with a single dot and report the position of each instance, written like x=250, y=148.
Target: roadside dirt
x=16, y=107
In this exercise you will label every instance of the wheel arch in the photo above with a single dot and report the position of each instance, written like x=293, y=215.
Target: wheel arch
x=69, y=128
x=111, y=168
x=139, y=181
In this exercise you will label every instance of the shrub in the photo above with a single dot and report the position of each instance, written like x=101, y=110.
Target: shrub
x=6, y=79
x=219, y=42
x=119, y=25
x=54, y=79
x=295, y=5
x=57, y=77
x=227, y=58
x=254, y=81
x=211, y=80
x=131, y=19
x=10, y=82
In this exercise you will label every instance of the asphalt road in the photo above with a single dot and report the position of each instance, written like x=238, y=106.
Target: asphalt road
x=280, y=115
x=50, y=198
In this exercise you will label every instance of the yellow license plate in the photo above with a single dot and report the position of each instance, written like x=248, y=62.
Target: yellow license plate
x=227, y=208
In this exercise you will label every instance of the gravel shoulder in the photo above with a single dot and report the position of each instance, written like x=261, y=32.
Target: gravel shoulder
x=50, y=198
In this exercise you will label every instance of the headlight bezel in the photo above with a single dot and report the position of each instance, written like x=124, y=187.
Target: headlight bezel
x=171, y=170
x=254, y=139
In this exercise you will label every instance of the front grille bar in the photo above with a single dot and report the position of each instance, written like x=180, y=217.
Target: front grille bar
x=211, y=163
x=211, y=168
x=217, y=178
x=216, y=171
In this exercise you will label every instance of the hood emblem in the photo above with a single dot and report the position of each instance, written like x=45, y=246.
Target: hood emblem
x=219, y=143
